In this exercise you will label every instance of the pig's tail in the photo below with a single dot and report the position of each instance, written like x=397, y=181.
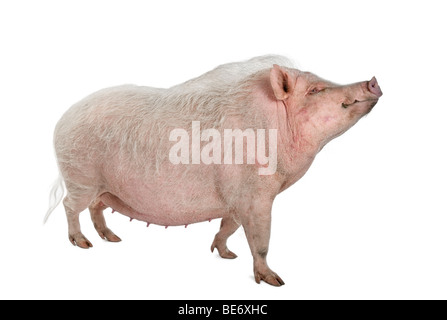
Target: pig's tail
x=56, y=195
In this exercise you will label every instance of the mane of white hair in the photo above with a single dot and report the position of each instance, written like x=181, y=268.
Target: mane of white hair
x=230, y=74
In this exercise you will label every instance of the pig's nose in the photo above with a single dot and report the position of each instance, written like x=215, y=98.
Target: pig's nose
x=373, y=87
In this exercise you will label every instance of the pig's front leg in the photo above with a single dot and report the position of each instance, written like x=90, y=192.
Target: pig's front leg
x=256, y=222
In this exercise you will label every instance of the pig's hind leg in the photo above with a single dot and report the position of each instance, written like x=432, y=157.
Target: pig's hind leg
x=96, y=209
x=75, y=202
x=227, y=227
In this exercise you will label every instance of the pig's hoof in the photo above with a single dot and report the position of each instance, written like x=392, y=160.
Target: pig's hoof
x=270, y=277
x=108, y=235
x=227, y=254
x=223, y=251
x=78, y=239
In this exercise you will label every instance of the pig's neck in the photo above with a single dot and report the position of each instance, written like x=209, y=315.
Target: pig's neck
x=295, y=151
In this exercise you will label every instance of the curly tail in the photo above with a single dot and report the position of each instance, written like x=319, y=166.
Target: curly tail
x=56, y=195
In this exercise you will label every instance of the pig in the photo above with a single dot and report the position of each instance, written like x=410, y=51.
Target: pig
x=113, y=150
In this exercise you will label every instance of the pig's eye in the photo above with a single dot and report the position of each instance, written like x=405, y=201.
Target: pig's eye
x=314, y=91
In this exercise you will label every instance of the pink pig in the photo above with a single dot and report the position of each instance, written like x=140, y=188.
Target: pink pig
x=115, y=148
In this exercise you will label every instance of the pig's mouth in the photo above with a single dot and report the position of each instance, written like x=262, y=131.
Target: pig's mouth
x=346, y=105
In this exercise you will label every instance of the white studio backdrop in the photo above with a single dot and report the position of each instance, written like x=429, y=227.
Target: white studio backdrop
x=368, y=220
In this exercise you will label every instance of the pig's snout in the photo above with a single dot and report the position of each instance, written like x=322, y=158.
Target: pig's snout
x=369, y=93
x=373, y=87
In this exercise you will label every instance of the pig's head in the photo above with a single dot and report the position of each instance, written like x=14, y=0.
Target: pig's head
x=317, y=110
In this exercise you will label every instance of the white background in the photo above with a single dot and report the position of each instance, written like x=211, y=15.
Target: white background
x=369, y=219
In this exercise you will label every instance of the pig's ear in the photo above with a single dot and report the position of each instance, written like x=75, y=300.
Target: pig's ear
x=282, y=82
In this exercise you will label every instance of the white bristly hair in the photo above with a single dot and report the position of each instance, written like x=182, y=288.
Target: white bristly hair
x=133, y=123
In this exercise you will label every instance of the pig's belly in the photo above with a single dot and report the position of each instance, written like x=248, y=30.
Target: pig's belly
x=164, y=204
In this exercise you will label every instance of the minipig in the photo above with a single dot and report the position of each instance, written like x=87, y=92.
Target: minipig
x=155, y=155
